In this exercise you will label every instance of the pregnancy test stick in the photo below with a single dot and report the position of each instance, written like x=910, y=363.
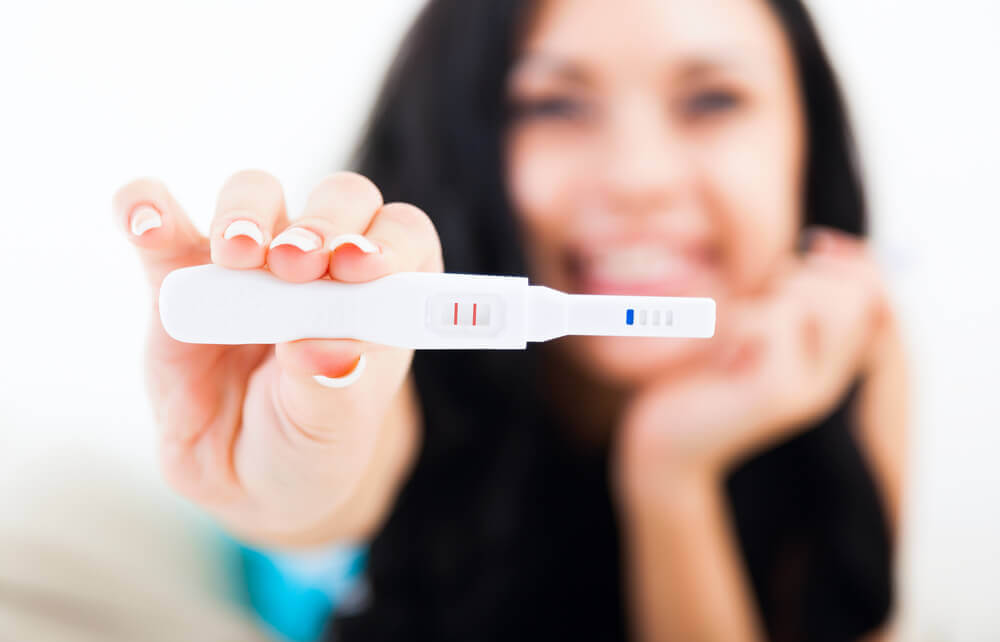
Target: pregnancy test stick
x=427, y=310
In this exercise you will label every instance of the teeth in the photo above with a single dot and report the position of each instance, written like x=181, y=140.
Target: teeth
x=637, y=263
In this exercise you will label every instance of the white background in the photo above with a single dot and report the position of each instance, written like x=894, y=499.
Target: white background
x=94, y=94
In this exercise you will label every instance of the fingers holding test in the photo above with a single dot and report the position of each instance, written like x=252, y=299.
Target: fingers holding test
x=250, y=211
x=402, y=239
x=342, y=203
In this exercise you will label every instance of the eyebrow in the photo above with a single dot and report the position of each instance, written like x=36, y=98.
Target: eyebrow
x=555, y=65
x=695, y=66
x=705, y=65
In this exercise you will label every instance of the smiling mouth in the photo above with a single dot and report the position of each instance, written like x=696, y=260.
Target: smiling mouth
x=644, y=269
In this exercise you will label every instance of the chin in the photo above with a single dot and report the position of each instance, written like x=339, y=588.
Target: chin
x=633, y=361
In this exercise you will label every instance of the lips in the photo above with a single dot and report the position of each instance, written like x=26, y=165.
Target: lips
x=642, y=268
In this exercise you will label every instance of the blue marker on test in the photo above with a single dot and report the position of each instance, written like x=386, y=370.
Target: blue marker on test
x=419, y=310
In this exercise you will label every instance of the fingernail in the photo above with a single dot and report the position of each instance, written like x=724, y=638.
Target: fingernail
x=356, y=240
x=144, y=218
x=246, y=228
x=345, y=380
x=300, y=237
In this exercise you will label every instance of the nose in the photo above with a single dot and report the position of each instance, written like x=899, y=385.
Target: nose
x=644, y=166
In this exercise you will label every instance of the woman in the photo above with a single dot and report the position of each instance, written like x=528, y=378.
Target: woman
x=593, y=487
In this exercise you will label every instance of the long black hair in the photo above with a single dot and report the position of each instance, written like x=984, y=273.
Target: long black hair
x=487, y=536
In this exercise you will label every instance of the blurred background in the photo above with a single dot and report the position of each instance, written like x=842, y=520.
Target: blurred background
x=97, y=93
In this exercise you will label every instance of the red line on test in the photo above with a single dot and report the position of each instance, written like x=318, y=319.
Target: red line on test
x=456, y=313
x=473, y=314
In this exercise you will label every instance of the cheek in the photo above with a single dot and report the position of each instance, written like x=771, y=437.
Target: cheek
x=754, y=192
x=541, y=182
x=542, y=176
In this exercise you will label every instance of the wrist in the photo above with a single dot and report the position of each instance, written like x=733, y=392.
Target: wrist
x=655, y=467
x=672, y=489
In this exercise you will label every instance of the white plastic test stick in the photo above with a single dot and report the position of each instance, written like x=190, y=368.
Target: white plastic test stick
x=211, y=304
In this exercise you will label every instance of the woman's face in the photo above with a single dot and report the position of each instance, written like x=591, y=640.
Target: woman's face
x=656, y=147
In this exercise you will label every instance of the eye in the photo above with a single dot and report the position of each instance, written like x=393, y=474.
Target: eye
x=709, y=102
x=548, y=108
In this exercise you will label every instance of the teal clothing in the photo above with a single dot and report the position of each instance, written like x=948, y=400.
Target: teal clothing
x=295, y=593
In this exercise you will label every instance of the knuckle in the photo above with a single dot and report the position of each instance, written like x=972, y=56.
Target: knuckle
x=352, y=184
x=407, y=215
x=136, y=190
x=252, y=177
x=253, y=190
x=416, y=224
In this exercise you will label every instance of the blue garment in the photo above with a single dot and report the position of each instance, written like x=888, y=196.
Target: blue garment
x=295, y=593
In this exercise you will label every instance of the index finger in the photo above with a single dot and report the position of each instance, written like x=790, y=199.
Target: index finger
x=405, y=240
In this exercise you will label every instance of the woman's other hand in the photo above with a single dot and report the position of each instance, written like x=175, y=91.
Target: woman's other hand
x=783, y=359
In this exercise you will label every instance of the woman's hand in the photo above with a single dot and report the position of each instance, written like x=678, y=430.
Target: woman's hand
x=302, y=442
x=783, y=360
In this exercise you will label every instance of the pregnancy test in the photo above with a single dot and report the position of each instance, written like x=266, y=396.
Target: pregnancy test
x=420, y=310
